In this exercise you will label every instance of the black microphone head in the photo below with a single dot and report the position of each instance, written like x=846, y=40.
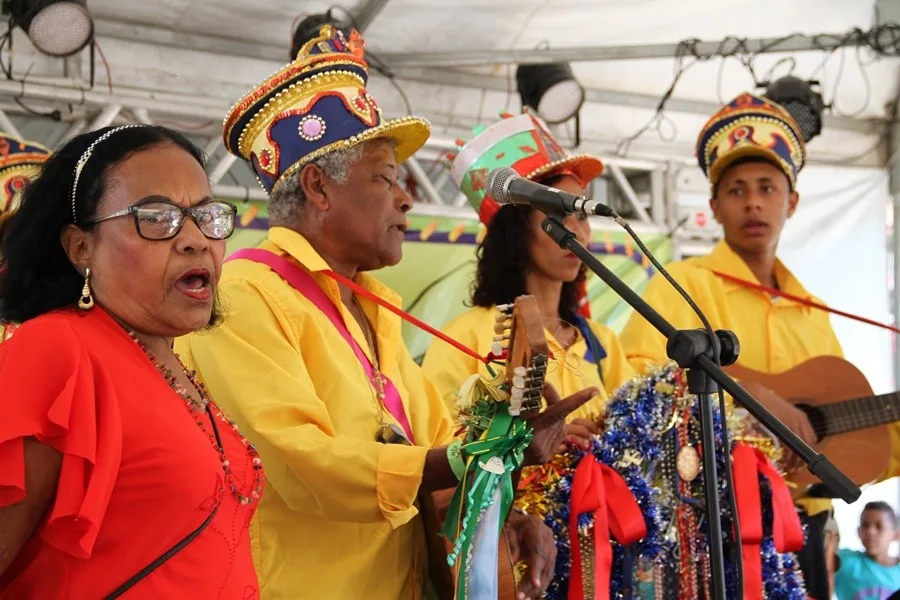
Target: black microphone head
x=497, y=181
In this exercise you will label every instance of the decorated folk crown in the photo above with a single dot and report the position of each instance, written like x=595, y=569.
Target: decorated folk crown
x=20, y=161
x=316, y=104
x=751, y=126
x=523, y=143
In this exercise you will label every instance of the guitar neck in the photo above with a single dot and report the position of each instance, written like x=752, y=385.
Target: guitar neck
x=851, y=415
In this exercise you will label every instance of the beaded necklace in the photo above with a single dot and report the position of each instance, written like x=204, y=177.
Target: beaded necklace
x=207, y=406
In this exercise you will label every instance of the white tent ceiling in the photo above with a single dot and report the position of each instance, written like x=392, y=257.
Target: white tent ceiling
x=187, y=61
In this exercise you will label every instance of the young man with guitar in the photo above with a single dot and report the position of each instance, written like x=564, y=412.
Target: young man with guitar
x=751, y=151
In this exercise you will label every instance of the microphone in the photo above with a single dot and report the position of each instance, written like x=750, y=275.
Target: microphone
x=507, y=187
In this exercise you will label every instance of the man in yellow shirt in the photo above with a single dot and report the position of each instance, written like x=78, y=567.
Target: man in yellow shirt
x=19, y=162
x=516, y=257
x=751, y=151
x=315, y=372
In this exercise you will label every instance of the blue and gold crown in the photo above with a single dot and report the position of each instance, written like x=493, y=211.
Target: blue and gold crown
x=316, y=104
x=750, y=126
x=20, y=162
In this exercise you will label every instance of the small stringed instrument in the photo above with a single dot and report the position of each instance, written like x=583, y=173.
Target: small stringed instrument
x=520, y=329
x=849, y=420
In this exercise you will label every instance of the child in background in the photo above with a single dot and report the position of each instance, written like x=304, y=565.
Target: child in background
x=872, y=574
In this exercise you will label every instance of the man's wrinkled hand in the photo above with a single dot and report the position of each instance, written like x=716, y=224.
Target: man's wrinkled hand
x=531, y=542
x=550, y=425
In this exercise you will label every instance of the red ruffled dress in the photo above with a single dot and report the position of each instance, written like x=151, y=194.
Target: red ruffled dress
x=138, y=473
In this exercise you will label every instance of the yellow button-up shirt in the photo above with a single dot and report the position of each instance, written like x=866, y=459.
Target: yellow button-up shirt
x=568, y=371
x=338, y=518
x=776, y=334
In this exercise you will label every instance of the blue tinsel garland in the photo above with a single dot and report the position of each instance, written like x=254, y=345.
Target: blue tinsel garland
x=634, y=425
x=780, y=572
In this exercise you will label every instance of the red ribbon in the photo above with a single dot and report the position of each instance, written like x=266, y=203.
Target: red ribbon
x=599, y=489
x=749, y=464
x=804, y=301
x=358, y=289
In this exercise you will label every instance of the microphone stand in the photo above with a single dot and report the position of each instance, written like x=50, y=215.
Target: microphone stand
x=693, y=350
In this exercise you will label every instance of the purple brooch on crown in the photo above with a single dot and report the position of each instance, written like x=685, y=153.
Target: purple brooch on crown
x=312, y=128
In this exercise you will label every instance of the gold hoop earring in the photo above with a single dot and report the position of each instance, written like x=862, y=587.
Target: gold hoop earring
x=86, y=302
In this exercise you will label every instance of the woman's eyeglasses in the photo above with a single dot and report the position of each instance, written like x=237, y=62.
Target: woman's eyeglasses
x=158, y=220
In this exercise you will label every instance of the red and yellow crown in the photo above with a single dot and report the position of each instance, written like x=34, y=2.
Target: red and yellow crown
x=750, y=126
x=20, y=162
x=316, y=104
x=522, y=142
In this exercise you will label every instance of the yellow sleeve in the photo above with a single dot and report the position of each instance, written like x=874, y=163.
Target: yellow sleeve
x=258, y=376
x=428, y=398
x=448, y=367
x=616, y=368
x=643, y=344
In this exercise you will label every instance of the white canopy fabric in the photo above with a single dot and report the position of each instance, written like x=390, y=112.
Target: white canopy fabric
x=238, y=43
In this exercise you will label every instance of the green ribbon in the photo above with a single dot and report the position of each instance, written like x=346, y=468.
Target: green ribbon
x=506, y=437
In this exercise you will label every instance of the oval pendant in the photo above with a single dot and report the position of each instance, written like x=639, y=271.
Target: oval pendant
x=687, y=463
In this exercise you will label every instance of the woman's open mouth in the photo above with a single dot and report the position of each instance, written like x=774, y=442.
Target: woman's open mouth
x=195, y=284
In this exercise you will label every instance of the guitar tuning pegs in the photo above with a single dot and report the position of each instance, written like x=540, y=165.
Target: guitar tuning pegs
x=516, y=395
x=500, y=341
x=501, y=327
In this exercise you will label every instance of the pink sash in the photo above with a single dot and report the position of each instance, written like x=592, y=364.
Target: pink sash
x=301, y=281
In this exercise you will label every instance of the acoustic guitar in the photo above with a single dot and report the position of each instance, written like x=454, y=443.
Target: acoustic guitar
x=520, y=328
x=848, y=419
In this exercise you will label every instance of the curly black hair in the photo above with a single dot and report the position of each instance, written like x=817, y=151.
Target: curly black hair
x=37, y=276
x=504, y=260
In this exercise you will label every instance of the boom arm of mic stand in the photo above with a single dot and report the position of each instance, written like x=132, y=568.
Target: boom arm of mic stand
x=817, y=463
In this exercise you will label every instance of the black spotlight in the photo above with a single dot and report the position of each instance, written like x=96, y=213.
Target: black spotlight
x=55, y=27
x=550, y=89
x=309, y=28
x=802, y=102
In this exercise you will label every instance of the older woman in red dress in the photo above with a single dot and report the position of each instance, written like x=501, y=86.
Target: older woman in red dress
x=117, y=471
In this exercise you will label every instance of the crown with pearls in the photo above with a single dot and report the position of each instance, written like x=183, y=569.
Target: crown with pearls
x=20, y=162
x=751, y=126
x=316, y=104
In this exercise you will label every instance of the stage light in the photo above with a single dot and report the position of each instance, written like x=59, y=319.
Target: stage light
x=802, y=102
x=55, y=27
x=550, y=89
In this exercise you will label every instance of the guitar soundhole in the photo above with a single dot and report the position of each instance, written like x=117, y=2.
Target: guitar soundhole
x=817, y=418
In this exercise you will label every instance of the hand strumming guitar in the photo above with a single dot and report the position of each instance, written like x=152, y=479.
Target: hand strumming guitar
x=792, y=417
x=550, y=425
x=531, y=542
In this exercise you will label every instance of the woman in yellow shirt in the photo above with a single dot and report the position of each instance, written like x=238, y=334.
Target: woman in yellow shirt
x=517, y=258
